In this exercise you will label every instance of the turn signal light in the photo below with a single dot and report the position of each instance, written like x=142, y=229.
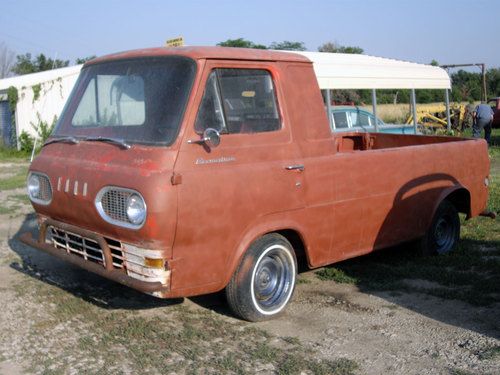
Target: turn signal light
x=154, y=263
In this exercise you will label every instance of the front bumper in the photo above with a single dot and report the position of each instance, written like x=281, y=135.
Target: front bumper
x=107, y=269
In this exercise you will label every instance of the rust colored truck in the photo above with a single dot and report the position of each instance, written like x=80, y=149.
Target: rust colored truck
x=186, y=171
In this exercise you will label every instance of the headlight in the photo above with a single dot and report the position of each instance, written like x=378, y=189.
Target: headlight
x=39, y=188
x=121, y=206
x=136, y=209
x=34, y=186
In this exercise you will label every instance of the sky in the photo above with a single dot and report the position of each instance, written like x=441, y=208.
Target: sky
x=449, y=31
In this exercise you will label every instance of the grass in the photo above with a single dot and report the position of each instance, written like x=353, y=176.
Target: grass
x=391, y=113
x=12, y=155
x=21, y=198
x=171, y=339
x=470, y=274
x=16, y=181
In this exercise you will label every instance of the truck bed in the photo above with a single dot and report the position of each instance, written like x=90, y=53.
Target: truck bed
x=354, y=141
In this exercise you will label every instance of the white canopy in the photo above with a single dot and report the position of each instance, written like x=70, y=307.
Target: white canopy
x=351, y=71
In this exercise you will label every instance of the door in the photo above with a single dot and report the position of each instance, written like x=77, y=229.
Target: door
x=5, y=123
x=254, y=173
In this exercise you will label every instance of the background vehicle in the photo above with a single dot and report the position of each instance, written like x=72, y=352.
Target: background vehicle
x=496, y=108
x=350, y=118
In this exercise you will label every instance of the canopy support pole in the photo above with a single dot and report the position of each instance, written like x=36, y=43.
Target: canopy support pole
x=329, y=108
x=447, y=99
x=414, y=110
x=374, y=104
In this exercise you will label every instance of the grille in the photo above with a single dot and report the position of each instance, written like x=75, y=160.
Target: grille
x=114, y=204
x=45, y=193
x=129, y=261
x=85, y=247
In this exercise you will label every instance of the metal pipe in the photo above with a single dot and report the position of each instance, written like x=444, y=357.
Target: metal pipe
x=414, y=110
x=448, y=120
x=329, y=108
x=374, y=104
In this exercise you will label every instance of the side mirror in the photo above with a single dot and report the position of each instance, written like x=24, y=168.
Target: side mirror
x=210, y=137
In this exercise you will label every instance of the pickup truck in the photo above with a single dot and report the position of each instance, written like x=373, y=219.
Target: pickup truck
x=496, y=109
x=187, y=171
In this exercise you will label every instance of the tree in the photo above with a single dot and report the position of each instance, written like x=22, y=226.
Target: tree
x=493, y=82
x=288, y=46
x=6, y=60
x=466, y=85
x=241, y=43
x=83, y=60
x=25, y=64
x=337, y=48
x=434, y=63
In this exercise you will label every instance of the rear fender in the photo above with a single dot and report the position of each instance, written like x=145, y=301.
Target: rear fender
x=459, y=197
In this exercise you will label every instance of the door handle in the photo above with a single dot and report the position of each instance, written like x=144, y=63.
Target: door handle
x=297, y=167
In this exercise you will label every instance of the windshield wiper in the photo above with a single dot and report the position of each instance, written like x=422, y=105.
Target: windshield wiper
x=68, y=139
x=118, y=142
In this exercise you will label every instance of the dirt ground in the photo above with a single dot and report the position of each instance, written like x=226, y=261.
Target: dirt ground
x=57, y=319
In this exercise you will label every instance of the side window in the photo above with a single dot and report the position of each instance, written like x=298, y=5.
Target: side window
x=340, y=120
x=365, y=120
x=210, y=112
x=354, y=118
x=247, y=102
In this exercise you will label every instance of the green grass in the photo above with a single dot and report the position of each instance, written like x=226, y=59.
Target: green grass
x=13, y=155
x=470, y=274
x=16, y=181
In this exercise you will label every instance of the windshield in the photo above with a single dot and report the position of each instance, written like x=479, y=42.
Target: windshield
x=136, y=101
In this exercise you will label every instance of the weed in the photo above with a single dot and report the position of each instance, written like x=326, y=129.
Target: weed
x=457, y=371
x=302, y=280
x=291, y=340
x=337, y=275
x=490, y=353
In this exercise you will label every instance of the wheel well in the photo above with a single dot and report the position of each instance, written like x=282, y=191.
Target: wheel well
x=298, y=246
x=461, y=200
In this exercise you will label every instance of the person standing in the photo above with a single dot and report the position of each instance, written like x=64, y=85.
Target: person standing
x=482, y=119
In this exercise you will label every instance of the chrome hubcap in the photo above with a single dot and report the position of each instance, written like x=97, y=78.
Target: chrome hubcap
x=444, y=234
x=273, y=279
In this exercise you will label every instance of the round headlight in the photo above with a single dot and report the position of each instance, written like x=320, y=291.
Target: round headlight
x=136, y=209
x=34, y=186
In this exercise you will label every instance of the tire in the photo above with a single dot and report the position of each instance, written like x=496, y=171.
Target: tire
x=444, y=232
x=265, y=279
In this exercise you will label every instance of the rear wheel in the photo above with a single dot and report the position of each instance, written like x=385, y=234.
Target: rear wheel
x=265, y=279
x=444, y=232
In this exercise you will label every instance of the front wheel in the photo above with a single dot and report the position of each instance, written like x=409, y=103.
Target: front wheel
x=444, y=232
x=265, y=279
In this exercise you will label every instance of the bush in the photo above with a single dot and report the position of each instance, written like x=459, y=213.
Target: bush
x=26, y=142
x=43, y=131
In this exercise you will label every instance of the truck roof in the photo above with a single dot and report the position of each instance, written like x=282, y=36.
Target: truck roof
x=226, y=53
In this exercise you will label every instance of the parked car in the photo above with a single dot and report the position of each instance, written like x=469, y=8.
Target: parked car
x=351, y=118
x=186, y=171
x=496, y=108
